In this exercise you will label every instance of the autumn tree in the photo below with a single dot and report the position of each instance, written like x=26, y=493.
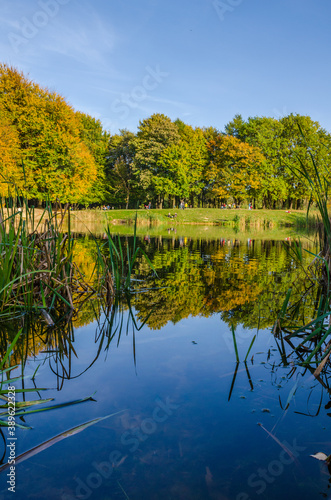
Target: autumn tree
x=234, y=169
x=266, y=134
x=57, y=163
x=11, y=175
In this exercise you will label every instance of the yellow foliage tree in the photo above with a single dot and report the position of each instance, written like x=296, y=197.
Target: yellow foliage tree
x=10, y=175
x=57, y=162
x=235, y=168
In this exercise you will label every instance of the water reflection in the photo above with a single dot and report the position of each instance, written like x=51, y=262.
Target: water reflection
x=173, y=341
x=243, y=282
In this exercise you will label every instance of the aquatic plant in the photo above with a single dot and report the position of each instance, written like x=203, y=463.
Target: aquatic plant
x=22, y=408
x=14, y=407
x=313, y=337
x=115, y=264
x=37, y=271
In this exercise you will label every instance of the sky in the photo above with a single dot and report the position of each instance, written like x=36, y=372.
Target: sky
x=202, y=61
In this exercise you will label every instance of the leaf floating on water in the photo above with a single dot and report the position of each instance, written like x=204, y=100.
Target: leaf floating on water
x=121, y=461
x=287, y=450
x=320, y=456
x=50, y=442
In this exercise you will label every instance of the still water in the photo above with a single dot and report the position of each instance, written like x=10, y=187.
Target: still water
x=191, y=422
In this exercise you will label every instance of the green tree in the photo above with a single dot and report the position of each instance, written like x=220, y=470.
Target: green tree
x=181, y=166
x=154, y=135
x=301, y=136
x=237, y=128
x=121, y=171
x=265, y=134
x=97, y=140
x=283, y=147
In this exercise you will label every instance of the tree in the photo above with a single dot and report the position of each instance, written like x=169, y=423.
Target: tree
x=97, y=140
x=237, y=128
x=57, y=163
x=121, y=170
x=235, y=168
x=181, y=165
x=303, y=137
x=154, y=135
x=283, y=147
x=11, y=177
x=265, y=134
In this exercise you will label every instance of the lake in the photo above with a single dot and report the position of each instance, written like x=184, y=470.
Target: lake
x=182, y=418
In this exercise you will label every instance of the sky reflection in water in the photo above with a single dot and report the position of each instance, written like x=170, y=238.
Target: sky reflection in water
x=189, y=426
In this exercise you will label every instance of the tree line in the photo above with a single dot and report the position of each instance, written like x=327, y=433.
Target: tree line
x=50, y=151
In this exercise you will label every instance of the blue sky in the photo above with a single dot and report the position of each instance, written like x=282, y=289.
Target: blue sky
x=200, y=60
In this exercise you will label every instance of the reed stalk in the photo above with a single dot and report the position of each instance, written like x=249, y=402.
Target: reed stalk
x=313, y=338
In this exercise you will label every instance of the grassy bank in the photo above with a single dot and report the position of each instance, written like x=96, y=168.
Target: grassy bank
x=209, y=232
x=198, y=216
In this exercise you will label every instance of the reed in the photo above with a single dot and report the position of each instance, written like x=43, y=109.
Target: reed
x=115, y=264
x=311, y=341
x=37, y=269
x=37, y=272
x=23, y=407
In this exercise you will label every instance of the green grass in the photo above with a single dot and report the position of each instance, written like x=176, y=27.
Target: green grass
x=195, y=216
x=207, y=232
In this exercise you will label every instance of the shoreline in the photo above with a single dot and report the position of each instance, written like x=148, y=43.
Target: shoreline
x=199, y=216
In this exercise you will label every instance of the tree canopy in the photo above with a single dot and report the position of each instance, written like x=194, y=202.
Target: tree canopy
x=50, y=151
x=58, y=159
